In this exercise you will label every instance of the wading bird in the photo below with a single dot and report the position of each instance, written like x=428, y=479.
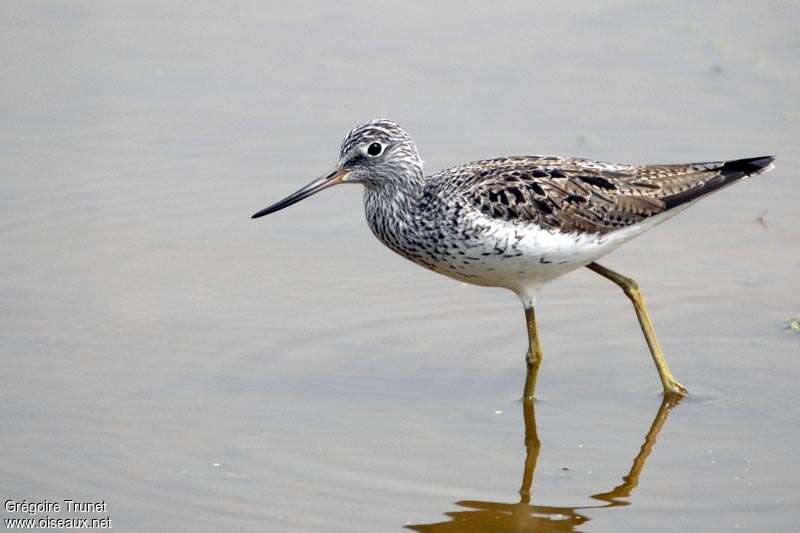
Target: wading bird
x=518, y=222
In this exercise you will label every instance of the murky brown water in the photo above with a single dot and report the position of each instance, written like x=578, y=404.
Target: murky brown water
x=203, y=372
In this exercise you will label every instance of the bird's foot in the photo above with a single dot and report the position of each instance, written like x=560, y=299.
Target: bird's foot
x=673, y=388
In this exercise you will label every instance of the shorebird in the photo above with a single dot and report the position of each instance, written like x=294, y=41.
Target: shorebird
x=518, y=222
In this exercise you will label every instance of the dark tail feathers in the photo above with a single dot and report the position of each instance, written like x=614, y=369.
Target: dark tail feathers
x=734, y=170
x=729, y=172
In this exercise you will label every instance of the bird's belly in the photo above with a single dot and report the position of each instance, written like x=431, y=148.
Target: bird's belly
x=522, y=257
x=519, y=256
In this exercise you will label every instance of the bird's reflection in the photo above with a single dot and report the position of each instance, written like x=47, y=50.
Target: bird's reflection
x=480, y=516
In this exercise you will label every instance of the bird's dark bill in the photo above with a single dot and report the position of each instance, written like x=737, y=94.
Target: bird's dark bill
x=323, y=182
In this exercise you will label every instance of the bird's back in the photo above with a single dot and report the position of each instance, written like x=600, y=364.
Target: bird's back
x=583, y=196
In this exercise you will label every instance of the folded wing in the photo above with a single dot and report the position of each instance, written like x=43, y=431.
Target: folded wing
x=588, y=196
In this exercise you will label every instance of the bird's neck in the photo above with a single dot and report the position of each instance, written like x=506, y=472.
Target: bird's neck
x=397, y=193
x=392, y=209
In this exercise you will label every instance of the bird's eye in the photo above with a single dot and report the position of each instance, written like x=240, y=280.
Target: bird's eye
x=375, y=149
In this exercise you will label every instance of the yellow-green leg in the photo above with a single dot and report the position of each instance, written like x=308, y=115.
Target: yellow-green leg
x=534, y=356
x=631, y=289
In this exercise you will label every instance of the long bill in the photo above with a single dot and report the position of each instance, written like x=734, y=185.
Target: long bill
x=323, y=182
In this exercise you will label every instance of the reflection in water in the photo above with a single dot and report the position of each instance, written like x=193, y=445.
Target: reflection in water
x=523, y=516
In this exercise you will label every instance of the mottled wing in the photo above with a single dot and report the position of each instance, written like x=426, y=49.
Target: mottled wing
x=588, y=196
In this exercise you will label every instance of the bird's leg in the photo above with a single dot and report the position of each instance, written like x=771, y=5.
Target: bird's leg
x=534, y=356
x=631, y=289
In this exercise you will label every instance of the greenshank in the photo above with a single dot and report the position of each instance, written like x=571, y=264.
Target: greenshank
x=518, y=222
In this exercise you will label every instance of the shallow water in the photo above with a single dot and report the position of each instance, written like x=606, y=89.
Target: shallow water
x=200, y=371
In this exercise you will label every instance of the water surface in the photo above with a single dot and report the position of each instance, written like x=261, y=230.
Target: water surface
x=204, y=372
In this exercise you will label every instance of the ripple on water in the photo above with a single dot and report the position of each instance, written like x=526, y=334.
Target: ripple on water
x=724, y=392
x=718, y=393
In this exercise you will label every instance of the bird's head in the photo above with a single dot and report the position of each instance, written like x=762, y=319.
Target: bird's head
x=377, y=154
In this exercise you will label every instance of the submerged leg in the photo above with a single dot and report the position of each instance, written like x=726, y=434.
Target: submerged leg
x=631, y=288
x=534, y=356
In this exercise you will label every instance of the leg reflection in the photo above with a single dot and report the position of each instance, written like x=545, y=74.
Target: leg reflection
x=630, y=481
x=532, y=442
x=525, y=516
